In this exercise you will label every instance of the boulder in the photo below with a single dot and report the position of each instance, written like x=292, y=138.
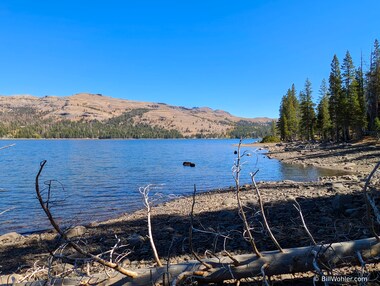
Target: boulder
x=342, y=202
x=189, y=164
x=338, y=187
x=10, y=279
x=135, y=239
x=229, y=202
x=11, y=237
x=76, y=231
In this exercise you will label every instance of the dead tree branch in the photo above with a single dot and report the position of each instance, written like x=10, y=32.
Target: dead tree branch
x=292, y=260
x=236, y=172
x=7, y=210
x=369, y=203
x=263, y=212
x=298, y=208
x=8, y=146
x=44, y=206
x=144, y=191
x=191, y=232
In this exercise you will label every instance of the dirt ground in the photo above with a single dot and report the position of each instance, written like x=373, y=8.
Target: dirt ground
x=333, y=208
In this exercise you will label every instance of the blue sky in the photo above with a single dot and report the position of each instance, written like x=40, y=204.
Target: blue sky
x=239, y=56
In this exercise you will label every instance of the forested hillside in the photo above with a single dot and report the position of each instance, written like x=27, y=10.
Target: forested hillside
x=97, y=116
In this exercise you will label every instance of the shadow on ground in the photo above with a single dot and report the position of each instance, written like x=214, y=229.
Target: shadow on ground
x=329, y=219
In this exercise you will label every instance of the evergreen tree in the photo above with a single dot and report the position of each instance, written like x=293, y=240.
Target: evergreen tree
x=335, y=100
x=373, y=86
x=289, y=116
x=282, y=124
x=293, y=113
x=273, y=128
x=324, y=125
x=307, y=113
x=350, y=99
x=359, y=77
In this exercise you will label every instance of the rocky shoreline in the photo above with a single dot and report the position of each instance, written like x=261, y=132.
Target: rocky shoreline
x=333, y=208
x=358, y=158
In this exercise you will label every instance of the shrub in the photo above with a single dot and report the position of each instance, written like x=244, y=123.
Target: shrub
x=270, y=139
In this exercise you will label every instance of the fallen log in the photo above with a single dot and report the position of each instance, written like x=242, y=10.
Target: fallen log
x=291, y=260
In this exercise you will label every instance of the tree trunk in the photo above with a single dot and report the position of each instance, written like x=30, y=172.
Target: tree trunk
x=292, y=260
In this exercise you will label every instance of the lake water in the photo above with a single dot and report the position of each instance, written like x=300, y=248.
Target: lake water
x=99, y=179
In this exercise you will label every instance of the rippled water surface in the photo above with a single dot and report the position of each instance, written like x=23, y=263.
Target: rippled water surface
x=99, y=179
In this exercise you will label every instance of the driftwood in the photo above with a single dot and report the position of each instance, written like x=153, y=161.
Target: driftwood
x=293, y=260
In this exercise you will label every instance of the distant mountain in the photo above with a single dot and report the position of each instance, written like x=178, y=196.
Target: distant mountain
x=96, y=116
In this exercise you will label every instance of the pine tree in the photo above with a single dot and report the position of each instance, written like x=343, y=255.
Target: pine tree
x=307, y=113
x=282, y=124
x=373, y=86
x=359, y=77
x=335, y=100
x=273, y=129
x=293, y=113
x=323, y=117
x=289, y=116
x=350, y=97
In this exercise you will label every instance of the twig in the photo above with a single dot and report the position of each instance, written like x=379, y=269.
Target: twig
x=368, y=203
x=167, y=274
x=234, y=260
x=362, y=263
x=315, y=265
x=298, y=208
x=374, y=208
x=101, y=261
x=208, y=266
x=263, y=213
x=265, y=280
x=144, y=191
x=237, y=169
x=114, y=247
x=7, y=210
x=8, y=146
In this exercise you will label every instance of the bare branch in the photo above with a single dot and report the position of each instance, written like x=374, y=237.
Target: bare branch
x=265, y=280
x=74, y=245
x=298, y=208
x=144, y=191
x=7, y=210
x=263, y=212
x=8, y=146
x=236, y=171
x=368, y=202
x=191, y=232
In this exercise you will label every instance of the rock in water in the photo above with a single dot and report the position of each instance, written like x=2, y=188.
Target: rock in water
x=189, y=164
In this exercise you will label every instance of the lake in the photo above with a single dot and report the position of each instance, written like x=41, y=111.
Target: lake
x=99, y=179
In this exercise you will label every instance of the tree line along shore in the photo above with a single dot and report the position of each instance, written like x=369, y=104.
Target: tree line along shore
x=348, y=106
